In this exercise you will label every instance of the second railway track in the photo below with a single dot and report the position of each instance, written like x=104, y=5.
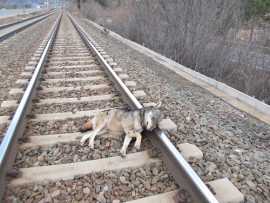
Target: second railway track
x=10, y=29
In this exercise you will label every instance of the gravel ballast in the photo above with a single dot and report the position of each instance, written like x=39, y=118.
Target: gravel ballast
x=235, y=144
x=16, y=52
x=109, y=186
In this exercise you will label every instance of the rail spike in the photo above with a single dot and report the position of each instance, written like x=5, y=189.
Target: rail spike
x=24, y=139
x=14, y=173
x=211, y=189
x=36, y=100
x=31, y=115
x=181, y=196
x=154, y=153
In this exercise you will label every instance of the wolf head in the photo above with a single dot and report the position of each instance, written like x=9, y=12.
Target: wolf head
x=152, y=116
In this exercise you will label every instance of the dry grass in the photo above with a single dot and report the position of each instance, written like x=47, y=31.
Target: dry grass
x=145, y=25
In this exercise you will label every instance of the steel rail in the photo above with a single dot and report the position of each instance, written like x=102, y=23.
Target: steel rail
x=5, y=36
x=126, y=95
x=20, y=21
x=10, y=143
x=182, y=172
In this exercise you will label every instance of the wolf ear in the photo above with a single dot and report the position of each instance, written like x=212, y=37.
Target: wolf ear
x=161, y=117
x=158, y=105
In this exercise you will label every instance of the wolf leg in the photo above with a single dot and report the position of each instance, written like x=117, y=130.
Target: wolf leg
x=92, y=137
x=99, y=128
x=138, y=141
x=123, y=151
x=85, y=137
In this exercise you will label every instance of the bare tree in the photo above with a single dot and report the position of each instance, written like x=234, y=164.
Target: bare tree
x=194, y=33
x=91, y=10
x=190, y=32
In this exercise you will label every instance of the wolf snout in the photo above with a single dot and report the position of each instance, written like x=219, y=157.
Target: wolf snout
x=150, y=128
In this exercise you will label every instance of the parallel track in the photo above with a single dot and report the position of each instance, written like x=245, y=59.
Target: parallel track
x=19, y=21
x=10, y=29
x=64, y=77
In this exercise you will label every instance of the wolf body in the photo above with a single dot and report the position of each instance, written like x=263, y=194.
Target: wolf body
x=123, y=122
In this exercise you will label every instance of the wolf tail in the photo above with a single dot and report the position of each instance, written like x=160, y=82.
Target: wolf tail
x=86, y=127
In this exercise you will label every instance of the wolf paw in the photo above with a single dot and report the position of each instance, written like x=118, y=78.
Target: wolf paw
x=123, y=155
x=137, y=146
x=91, y=146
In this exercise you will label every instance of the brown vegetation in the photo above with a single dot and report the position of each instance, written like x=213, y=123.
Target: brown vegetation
x=198, y=34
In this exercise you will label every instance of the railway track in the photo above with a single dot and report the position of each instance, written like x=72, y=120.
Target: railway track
x=10, y=29
x=64, y=85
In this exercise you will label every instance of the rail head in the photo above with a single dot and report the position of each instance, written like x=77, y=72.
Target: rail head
x=182, y=172
x=126, y=95
x=10, y=143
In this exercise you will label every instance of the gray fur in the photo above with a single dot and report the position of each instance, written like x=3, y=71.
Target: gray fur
x=123, y=122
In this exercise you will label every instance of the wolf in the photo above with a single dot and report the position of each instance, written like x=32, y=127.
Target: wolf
x=123, y=122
